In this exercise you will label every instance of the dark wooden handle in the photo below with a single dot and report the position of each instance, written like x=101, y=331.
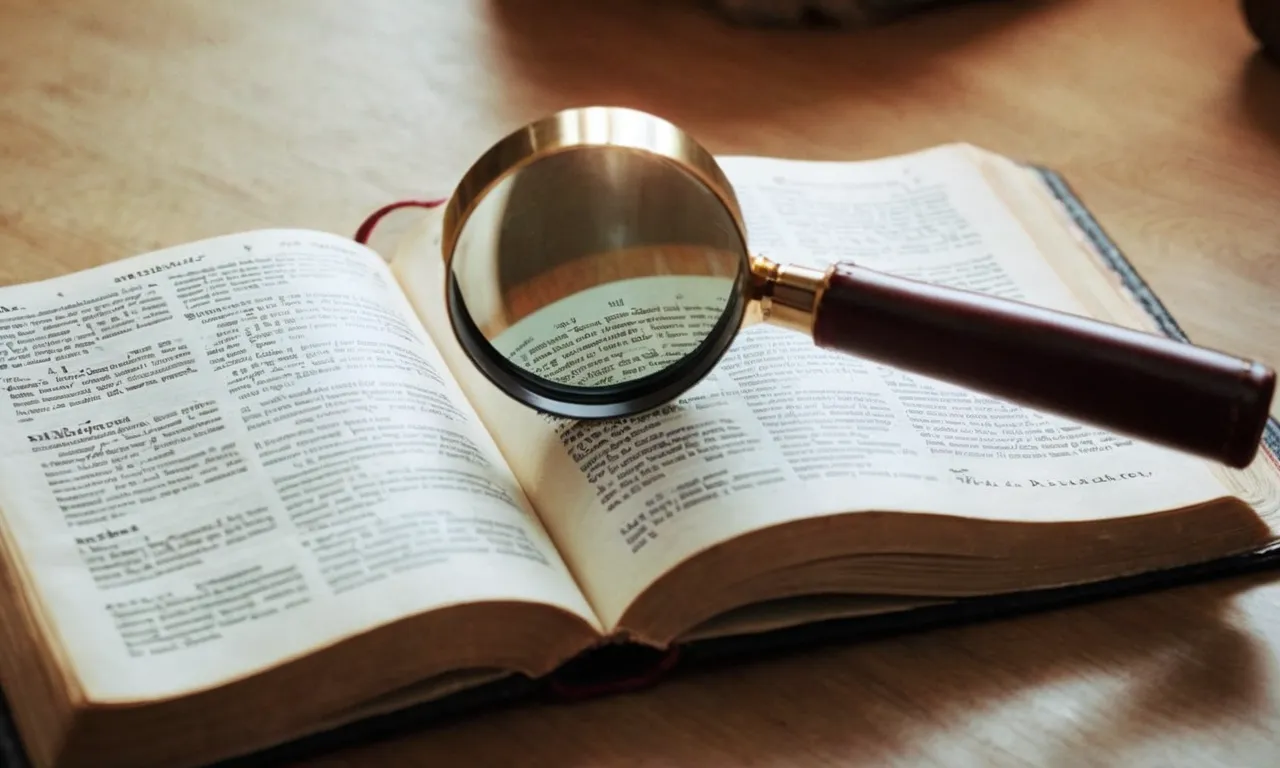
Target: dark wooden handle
x=1145, y=386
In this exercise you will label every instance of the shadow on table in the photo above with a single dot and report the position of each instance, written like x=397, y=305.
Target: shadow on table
x=680, y=58
x=1123, y=678
x=1260, y=93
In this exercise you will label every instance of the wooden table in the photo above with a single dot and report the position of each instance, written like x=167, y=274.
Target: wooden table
x=129, y=125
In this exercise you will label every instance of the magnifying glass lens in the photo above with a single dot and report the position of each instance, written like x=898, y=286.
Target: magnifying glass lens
x=595, y=270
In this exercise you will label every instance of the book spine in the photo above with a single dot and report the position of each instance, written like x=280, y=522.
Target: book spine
x=609, y=670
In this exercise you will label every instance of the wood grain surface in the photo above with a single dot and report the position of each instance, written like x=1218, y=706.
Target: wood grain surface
x=129, y=125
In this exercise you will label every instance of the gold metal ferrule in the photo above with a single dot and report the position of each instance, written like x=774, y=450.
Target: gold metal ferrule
x=785, y=295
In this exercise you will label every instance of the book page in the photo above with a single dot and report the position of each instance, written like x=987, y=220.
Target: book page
x=225, y=454
x=782, y=430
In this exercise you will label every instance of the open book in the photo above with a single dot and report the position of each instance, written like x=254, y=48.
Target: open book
x=252, y=489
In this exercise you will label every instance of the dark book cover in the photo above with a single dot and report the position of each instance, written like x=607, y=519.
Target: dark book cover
x=614, y=670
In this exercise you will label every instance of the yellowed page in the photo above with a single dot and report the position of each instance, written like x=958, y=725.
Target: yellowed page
x=782, y=430
x=225, y=454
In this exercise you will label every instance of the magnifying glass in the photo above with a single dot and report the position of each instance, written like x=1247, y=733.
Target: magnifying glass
x=597, y=266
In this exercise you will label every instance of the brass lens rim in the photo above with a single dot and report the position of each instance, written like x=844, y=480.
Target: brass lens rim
x=568, y=130
x=580, y=128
